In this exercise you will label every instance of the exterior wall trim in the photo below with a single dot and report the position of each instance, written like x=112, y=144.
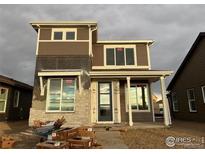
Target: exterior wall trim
x=132, y=73
x=119, y=67
x=59, y=73
x=63, y=40
x=148, y=56
x=37, y=42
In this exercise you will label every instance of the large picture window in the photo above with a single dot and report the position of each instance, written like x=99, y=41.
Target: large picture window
x=138, y=97
x=61, y=94
x=175, y=102
x=120, y=56
x=191, y=100
x=3, y=98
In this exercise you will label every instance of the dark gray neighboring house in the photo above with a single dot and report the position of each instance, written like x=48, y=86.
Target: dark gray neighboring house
x=15, y=99
x=187, y=88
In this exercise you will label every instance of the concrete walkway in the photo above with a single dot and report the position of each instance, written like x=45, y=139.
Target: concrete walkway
x=109, y=139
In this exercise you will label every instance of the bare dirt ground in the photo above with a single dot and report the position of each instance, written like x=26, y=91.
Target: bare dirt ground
x=133, y=138
x=23, y=135
x=190, y=135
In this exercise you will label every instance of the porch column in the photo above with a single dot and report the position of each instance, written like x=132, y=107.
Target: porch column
x=167, y=120
x=129, y=104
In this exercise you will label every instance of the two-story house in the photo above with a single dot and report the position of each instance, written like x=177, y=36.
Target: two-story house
x=89, y=81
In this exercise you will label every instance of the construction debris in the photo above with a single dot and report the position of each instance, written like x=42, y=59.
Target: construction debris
x=72, y=138
x=45, y=128
x=7, y=142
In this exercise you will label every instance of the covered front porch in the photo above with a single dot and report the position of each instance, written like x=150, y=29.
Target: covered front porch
x=118, y=105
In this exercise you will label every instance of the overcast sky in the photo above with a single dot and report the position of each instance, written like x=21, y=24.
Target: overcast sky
x=173, y=27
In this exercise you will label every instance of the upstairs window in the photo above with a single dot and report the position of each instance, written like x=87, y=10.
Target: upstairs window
x=58, y=35
x=64, y=34
x=191, y=100
x=120, y=56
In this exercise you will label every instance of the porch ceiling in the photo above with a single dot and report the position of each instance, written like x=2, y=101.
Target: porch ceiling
x=150, y=75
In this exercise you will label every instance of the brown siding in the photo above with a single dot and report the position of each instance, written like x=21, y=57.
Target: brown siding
x=98, y=56
x=192, y=76
x=63, y=48
x=136, y=116
x=45, y=34
x=142, y=58
x=82, y=34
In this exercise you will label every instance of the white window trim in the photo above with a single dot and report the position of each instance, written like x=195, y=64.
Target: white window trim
x=190, y=109
x=120, y=66
x=203, y=92
x=5, y=100
x=47, y=98
x=126, y=101
x=173, y=102
x=63, y=30
x=18, y=95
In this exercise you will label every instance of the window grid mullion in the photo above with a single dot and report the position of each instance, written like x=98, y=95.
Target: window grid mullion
x=61, y=94
x=115, y=56
x=137, y=98
x=125, y=56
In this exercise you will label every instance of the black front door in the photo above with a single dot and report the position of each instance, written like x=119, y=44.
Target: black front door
x=104, y=101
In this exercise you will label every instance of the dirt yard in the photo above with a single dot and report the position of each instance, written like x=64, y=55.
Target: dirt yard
x=193, y=133
x=23, y=135
x=133, y=138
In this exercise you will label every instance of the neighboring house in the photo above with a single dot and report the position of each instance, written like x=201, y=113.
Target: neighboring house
x=15, y=99
x=187, y=88
x=89, y=81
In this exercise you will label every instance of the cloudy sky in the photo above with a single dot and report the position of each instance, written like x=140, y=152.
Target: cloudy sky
x=173, y=27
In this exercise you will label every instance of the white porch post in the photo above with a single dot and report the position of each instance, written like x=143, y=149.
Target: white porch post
x=167, y=120
x=128, y=98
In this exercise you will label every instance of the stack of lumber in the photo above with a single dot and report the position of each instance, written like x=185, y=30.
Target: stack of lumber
x=79, y=137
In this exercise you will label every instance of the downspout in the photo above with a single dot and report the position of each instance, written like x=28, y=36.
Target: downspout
x=90, y=40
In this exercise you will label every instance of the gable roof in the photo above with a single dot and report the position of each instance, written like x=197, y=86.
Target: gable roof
x=187, y=57
x=15, y=83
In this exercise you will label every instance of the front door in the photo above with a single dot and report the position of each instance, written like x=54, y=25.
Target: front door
x=105, y=101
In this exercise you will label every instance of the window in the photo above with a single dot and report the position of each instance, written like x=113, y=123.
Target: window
x=64, y=34
x=16, y=98
x=120, y=56
x=203, y=92
x=138, y=97
x=175, y=102
x=61, y=94
x=58, y=35
x=70, y=35
x=3, y=99
x=191, y=100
